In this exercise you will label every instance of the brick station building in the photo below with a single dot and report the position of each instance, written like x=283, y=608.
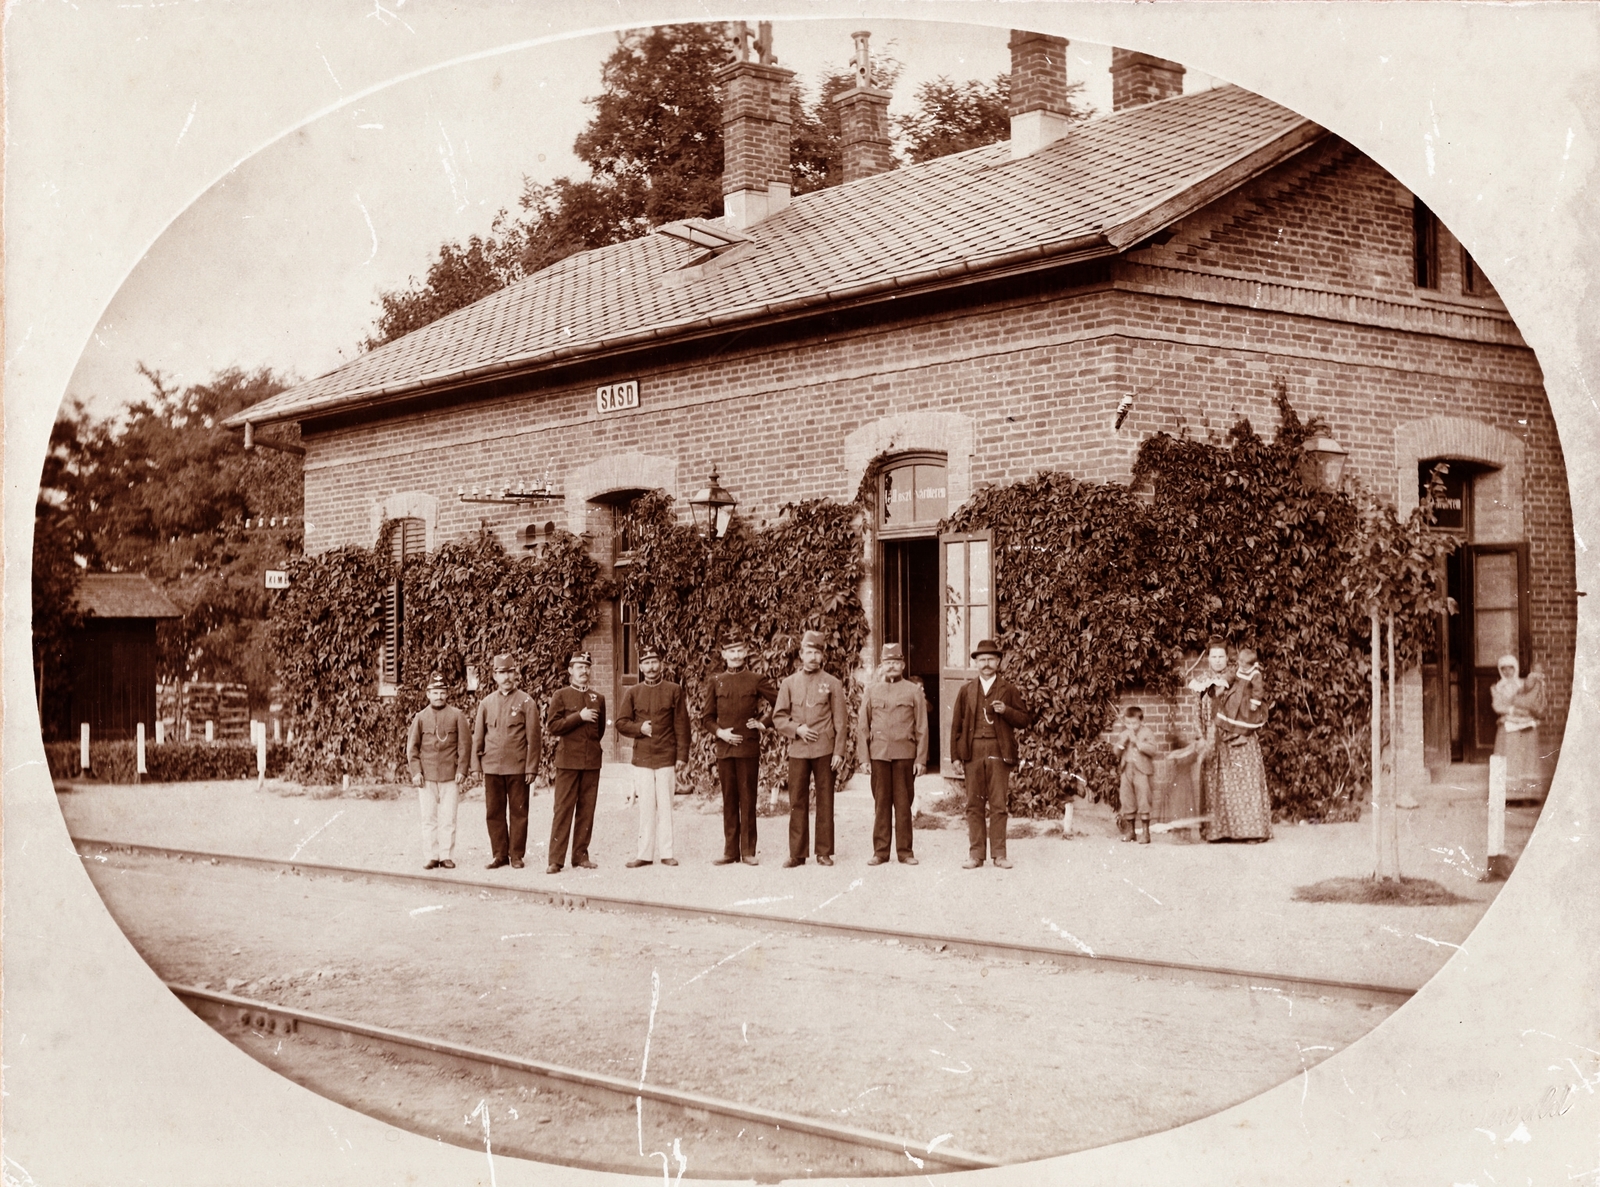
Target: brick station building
x=977, y=319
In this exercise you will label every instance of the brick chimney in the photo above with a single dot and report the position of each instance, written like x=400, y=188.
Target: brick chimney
x=1137, y=79
x=1040, y=112
x=755, y=132
x=864, y=121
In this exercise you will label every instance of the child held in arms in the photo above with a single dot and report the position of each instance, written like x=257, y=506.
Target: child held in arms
x=1243, y=709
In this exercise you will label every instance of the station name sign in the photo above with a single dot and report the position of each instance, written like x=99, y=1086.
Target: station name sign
x=617, y=397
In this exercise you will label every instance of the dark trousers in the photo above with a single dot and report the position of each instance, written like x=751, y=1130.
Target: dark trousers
x=499, y=793
x=988, y=791
x=892, y=787
x=801, y=773
x=738, y=776
x=576, y=794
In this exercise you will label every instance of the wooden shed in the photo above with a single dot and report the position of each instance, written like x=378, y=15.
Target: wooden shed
x=113, y=685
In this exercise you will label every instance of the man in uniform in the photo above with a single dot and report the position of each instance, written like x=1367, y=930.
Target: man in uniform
x=987, y=713
x=654, y=715
x=892, y=733
x=811, y=713
x=439, y=752
x=577, y=717
x=731, y=713
x=505, y=747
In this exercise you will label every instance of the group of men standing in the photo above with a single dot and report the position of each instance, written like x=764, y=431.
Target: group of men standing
x=808, y=708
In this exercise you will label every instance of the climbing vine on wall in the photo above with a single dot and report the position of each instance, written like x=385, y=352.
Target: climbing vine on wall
x=464, y=603
x=772, y=583
x=1102, y=589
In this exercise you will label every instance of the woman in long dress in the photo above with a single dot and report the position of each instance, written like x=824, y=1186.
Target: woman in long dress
x=1519, y=701
x=1235, y=782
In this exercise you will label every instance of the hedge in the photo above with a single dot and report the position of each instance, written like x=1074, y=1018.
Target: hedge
x=169, y=762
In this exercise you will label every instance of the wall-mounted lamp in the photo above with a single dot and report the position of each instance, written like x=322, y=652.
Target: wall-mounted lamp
x=1322, y=464
x=713, y=508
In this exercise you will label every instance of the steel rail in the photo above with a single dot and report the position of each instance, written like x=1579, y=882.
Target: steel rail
x=223, y=1010
x=1368, y=993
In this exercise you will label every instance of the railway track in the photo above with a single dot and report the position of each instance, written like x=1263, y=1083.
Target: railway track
x=1363, y=992
x=885, y=1153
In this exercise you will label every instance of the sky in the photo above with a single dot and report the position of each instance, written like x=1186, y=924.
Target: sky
x=281, y=262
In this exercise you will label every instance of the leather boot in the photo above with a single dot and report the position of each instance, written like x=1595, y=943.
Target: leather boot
x=1144, y=830
x=1125, y=826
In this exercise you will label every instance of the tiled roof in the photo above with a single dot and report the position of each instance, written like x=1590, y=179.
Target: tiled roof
x=1104, y=187
x=123, y=595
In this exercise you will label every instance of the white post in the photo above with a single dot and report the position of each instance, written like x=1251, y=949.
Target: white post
x=1377, y=752
x=259, y=729
x=347, y=783
x=211, y=731
x=188, y=730
x=277, y=729
x=138, y=765
x=83, y=746
x=161, y=732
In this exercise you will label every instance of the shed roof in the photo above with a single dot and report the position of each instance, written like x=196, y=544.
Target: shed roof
x=123, y=595
x=1103, y=188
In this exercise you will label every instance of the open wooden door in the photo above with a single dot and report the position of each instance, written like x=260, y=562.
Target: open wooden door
x=966, y=582
x=1496, y=579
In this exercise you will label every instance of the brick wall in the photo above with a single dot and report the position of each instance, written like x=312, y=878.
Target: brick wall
x=756, y=125
x=864, y=133
x=1304, y=274
x=1137, y=79
x=1038, y=73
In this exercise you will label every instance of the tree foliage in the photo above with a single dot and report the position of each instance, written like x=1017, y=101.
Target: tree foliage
x=1106, y=589
x=464, y=603
x=165, y=490
x=772, y=584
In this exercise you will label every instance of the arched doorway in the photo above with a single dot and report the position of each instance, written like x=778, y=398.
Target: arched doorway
x=912, y=497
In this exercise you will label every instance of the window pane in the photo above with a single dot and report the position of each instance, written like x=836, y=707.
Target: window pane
x=980, y=627
x=955, y=573
x=1494, y=585
x=955, y=636
x=978, y=570
x=930, y=503
x=1497, y=635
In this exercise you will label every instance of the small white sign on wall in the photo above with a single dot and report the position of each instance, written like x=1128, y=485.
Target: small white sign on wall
x=277, y=579
x=617, y=397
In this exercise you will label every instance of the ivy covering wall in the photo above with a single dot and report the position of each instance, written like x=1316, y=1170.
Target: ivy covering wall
x=463, y=603
x=771, y=583
x=1102, y=589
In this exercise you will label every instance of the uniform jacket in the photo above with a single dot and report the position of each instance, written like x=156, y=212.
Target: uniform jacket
x=664, y=706
x=1136, y=748
x=505, y=734
x=439, y=744
x=579, y=746
x=893, y=722
x=815, y=699
x=970, y=701
x=732, y=698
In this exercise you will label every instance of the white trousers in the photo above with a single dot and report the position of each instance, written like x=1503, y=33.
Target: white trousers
x=438, y=804
x=654, y=789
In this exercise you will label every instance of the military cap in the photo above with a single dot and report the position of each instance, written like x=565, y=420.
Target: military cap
x=437, y=680
x=505, y=662
x=649, y=652
x=814, y=639
x=893, y=651
x=580, y=657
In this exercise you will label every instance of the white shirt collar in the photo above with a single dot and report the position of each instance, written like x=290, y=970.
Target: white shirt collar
x=986, y=685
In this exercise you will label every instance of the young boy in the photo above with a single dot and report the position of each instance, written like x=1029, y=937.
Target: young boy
x=1136, y=752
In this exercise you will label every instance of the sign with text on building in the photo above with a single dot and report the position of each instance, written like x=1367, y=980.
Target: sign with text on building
x=277, y=579
x=617, y=397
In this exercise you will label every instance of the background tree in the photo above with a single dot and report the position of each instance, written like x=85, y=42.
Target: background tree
x=815, y=156
x=165, y=490
x=57, y=538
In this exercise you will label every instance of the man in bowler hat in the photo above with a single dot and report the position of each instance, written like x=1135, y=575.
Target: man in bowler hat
x=505, y=747
x=811, y=713
x=733, y=714
x=654, y=714
x=988, y=712
x=892, y=733
x=577, y=718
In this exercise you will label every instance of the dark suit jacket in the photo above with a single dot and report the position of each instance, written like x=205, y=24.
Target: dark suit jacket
x=964, y=719
x=732, y=699
x=578, y=747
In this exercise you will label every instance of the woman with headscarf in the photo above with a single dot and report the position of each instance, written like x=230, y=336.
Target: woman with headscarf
x=1235, y=779
x=1519, y=702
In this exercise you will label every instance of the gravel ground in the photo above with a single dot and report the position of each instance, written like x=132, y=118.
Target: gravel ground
x=1229, y=904
x=1012, y=1060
